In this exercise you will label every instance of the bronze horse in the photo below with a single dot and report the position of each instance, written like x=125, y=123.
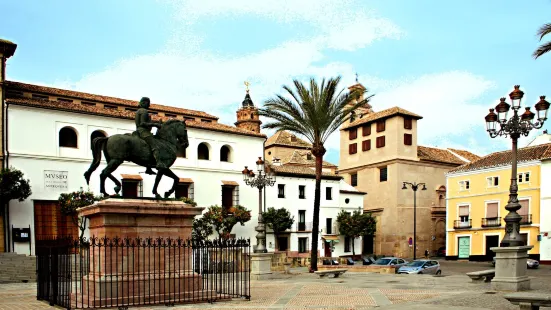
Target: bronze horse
x=171, y=137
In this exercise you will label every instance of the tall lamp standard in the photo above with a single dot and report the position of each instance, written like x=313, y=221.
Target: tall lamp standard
x=259, y=181
x=414, y=186
x=514, y=127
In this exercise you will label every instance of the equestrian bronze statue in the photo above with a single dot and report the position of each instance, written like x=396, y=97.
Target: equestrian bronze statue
x=142, y=148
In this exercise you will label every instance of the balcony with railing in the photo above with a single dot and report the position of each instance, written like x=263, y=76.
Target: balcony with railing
x=304, y=226
x=462, y=224
x=526, y=219
x=491, y=222
x=330, y=230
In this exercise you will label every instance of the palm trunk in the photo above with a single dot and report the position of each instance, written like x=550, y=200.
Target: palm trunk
x=316, y=220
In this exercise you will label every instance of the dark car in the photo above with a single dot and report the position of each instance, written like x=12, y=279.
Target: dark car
x=441, y=251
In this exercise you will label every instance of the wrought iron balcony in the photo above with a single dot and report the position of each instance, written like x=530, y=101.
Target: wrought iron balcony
x=330, y=230
x=526, y=219
x=304, y=226
x=461, y=225
x=491, y=222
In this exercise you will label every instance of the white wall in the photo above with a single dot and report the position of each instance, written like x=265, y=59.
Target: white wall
x=545, y=211
x=33, y=148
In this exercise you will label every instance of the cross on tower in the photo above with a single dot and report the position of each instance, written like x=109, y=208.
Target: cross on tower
x=356, y=77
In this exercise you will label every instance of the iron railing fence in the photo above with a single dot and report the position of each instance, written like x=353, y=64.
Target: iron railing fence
x=122, y=272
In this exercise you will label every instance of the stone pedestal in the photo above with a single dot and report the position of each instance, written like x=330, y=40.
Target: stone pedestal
x=129, y=271
x=511, y=269
x=261, y=266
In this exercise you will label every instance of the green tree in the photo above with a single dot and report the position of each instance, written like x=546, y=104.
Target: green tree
x=13, y=186
x=279, y=220
x=223, y=220
x=356, y=225
x=202, y=229
x=546, y=47
x=314, y=112
x=70, y=202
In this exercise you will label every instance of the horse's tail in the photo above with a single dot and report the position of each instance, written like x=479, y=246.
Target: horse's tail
x=97, y=146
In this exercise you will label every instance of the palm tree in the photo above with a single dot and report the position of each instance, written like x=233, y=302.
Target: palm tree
x=544, y=48
x=314, y=113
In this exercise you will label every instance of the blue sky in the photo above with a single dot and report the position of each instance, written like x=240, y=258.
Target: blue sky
x=448, y=61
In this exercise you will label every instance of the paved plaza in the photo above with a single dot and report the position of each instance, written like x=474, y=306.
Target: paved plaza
x=302, y=290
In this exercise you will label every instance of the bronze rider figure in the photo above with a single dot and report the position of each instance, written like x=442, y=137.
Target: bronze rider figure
x=143, y=130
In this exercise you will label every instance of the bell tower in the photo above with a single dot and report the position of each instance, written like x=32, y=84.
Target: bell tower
x=247, y=114
x=360, y=112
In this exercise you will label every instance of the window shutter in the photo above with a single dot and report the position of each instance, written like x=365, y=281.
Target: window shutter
x=464, y=211
x=352, y=148
x=523, y=207
x=491, y=210
x=408, y=139
x=380, y=126
x=407, y=123
x=380, y=141
x=366, y=145
x=353, y=133
x=366, y=130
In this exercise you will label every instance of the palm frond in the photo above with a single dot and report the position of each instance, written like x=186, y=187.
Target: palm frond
x=544, y=30
x=542, y=49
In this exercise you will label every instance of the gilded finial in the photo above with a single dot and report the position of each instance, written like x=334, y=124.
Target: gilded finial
x=247, y=86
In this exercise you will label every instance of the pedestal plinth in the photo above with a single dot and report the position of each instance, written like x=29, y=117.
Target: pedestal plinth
x=261, y=266
x=511, y=269
x=138, y=262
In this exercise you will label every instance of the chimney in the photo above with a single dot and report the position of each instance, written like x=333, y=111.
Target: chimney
x=7, y=49
x=276, y=162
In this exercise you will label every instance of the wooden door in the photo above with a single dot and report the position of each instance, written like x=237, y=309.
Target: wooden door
x=50, y=224
x=227, y=196
x=327, y=249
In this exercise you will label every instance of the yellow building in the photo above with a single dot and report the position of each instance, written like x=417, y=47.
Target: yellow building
x=477, y=194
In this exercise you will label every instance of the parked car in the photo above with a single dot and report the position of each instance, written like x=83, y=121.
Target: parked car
x=421, y=266
x=390, y=261
x=441, y=252
x=530, y=263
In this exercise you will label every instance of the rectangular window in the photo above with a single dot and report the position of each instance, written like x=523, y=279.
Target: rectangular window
x=130, y=188
x=281, y=191
x=347, y=244
x=491, y=210
x=408, y=123
x=366, y=145
x=228, y=196
x=182, y=190
x=464, y=185
x=352, y=148
x=408, y=139
x=380, y=141
x=383, y=174
x=301, y=220
x=366, y=130
x=524, y=207
x=492, y=181
x=328, y=226
x=354, y=179
x=353, y=133
x=524, y=177
x=302, y=191
x=91, y=104
x=381, y=126
x=302, y=245
x=328, y=193
x=111, y=107
x=464, y=216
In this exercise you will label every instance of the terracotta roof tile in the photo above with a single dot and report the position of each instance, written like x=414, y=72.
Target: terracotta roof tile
x=371, y=117
x=185, y=180
x=352, y=192
x=301, y=171
x=131, y=177
x=96, y=110
x=99, y=98
x=538, y=152
x=287, y=139
x=438, y=155
x=232, y=183
x=465, y=154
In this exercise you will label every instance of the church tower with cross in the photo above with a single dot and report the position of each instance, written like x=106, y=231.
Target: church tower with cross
x=247, y=114
x=360, y=112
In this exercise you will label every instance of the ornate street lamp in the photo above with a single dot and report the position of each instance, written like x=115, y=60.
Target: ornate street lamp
x=514, y=127
x=259, y=181
x=414, y=187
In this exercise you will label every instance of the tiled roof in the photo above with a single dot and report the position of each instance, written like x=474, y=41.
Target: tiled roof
x=185, y=180
x=95, y=110
x=301, y=171
x=465, y=154
x=231, y=183
x=371, y=117
x=352, y=192
x=300, y=157
x=538, y=152
x=438, y=155
x=287, y=139
x=104, y=99
x=131, y=177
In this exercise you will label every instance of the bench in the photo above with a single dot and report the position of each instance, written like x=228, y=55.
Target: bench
x=529, y=301
x=349, y=261
x=482, y=276
x=335, y=272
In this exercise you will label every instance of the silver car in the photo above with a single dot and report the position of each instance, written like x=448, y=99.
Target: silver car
x=530, y=263
x=390, y=261
x=421, y=266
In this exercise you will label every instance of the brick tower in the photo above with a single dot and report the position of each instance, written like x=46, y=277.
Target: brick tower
x=247, y=115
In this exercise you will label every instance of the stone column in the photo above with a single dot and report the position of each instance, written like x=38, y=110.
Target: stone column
x=511, y=268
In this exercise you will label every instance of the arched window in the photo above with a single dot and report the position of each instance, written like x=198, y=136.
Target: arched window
x=68, y=137
x=225, y=153
x=97, y=134
x=252, y=116
x=203, y=151
x=352, y=116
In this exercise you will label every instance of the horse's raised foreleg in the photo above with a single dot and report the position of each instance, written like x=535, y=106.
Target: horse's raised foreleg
x=112, y=165
x=160, y=173
x=169, y=173
x=117, y=183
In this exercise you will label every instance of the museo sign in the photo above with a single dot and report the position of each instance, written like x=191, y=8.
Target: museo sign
x=56, y=180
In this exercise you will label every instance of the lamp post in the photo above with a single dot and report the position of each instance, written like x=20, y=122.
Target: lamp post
x=514, y=127
x=261, y=180
x=414, y=186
